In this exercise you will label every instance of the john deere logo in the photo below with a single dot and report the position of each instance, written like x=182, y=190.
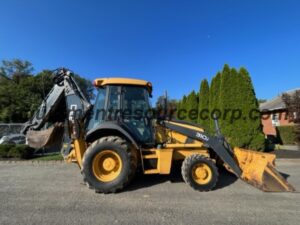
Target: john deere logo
x=202, y=136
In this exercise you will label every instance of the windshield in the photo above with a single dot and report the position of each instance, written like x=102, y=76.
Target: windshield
x=136, y=100
x=97, y=116
x=136, y=108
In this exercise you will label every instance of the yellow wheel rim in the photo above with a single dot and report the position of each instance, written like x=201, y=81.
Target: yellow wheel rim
x=107, y=165
x=202, y=173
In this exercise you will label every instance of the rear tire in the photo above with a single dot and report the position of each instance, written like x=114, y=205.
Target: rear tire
x=109, y=164
x=199, y=172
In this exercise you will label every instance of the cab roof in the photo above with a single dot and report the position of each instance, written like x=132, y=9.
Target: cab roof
x=100, y=82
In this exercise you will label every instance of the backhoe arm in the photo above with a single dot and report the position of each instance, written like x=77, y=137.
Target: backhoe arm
x=65, y=102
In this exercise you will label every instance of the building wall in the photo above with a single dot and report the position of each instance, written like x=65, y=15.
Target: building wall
x=269, y=128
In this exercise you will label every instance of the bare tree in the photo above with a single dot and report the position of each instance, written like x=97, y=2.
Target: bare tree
x=164, y=105
x=292, y=102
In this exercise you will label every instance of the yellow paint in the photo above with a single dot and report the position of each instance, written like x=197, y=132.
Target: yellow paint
x=160, y=134
x=187, y=126
x=253, y=163
x=80, y=148
x=193, y=145
x=256, y=166
x=122, y=81
x=181, y=154
x=151, y=171
x=168, y=136
x=107, y=166
x=202, y=173
x=164, y=160
x=71, y=157
x=176, y=137
x=165, y=157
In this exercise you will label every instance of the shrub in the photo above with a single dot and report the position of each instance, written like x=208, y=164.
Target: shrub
x=16, y=151
x=297, y=133
x=4, y=149
x=286, y=135
x=258, y=143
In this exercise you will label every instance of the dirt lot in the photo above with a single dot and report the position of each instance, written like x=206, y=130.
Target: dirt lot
x=53, y=193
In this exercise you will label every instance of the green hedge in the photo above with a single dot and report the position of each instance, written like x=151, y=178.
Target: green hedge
x=286, y=135
x=16, y=151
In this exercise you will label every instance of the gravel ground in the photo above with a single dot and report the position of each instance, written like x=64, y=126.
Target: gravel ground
x=287, y=154
x=53, y=193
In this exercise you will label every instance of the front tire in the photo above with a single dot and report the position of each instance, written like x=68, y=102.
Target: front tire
x=109, y=164
x=199, y=172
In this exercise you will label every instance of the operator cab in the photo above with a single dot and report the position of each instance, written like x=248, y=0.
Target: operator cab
x=125, y=102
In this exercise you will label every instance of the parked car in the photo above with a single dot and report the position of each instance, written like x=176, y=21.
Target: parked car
x=13, y=139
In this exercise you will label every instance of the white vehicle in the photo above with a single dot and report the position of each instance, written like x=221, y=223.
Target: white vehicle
x=13, y=139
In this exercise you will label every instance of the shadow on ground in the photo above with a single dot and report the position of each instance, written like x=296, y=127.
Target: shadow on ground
x=144, y=181
x=284, y=175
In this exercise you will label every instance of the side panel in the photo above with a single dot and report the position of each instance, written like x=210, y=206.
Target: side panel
x=112, y=128
x=165, y=156
x=165, y=160
x=181, y=154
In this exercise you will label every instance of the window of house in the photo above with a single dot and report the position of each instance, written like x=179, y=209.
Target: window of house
x=275, y=119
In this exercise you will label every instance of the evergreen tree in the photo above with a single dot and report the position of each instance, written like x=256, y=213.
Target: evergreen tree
x=181, y=106
x=203, y=110
x=233, y=94
x=178, y=105
x=228, y=101
x=214, y=99
x=192, y=107
x=249, y=132
x=183, y=103
x=237, y=100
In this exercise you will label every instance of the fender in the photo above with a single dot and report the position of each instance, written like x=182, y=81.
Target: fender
x=109, y=128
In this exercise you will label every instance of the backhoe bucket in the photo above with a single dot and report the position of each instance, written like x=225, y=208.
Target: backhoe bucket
x=258, y=169
x=45, y=138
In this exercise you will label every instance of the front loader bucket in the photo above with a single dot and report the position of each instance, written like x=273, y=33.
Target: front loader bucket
x=258, y=169
x=45, y=138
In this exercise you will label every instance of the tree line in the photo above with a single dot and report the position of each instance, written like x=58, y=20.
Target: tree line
x=22, y=91
x=230, y=96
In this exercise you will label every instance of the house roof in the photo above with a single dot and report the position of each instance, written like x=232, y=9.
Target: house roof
x=276, y=103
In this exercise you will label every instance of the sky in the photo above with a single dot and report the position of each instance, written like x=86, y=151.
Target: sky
x=173, y=44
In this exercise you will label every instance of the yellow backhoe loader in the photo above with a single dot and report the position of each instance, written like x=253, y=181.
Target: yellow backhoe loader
x=117, y=135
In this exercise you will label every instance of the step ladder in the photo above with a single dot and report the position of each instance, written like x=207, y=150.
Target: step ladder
x=156, y=161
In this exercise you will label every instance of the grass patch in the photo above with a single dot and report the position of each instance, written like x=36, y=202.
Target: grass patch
x=50, y=157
